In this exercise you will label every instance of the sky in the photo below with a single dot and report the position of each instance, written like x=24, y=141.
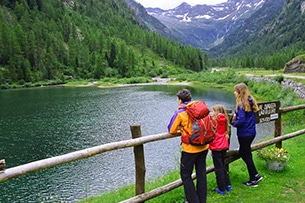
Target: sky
x=164, y=4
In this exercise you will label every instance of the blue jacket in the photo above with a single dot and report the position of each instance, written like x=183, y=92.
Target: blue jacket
x=245, y=121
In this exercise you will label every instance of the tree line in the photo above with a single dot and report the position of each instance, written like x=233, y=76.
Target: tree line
x=55, y=40
x=60, y=40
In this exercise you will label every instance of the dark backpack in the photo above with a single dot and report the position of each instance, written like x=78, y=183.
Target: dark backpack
x=203, y=125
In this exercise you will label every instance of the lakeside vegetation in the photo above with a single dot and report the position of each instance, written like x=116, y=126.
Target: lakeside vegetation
x=285, y=186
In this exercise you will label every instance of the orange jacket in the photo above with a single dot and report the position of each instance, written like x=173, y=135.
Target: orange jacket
x=180, y=121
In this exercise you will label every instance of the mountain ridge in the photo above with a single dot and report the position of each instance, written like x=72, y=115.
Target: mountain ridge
x=241, y=35
x=205, y=26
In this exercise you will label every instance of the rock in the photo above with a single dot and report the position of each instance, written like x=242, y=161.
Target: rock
x=296, y=65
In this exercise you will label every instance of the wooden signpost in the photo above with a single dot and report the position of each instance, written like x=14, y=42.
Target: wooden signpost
x=268, y=111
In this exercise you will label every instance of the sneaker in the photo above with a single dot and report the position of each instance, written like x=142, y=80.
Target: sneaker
x=229, y=188
x=251, y=183
x=220, y=192
x=258, y=178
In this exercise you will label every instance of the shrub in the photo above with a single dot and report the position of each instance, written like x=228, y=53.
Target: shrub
x=279, y=78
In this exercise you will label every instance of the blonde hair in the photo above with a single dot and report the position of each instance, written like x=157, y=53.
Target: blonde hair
x=217, y=109
x=242, y=98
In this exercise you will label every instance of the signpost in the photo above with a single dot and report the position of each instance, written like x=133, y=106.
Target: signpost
x=268, y=111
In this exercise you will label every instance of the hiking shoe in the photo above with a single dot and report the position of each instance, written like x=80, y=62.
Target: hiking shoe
x=220, y=192
x=229, y=188
x=251, y=183
x=258, y=178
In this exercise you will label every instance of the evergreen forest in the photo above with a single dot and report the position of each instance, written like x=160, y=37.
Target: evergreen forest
x=61, y=40
x=54, y=42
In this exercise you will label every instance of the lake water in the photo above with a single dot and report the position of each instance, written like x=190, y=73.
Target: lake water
x=44, y=122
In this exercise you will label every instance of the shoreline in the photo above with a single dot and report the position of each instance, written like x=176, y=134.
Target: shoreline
x=95, y=83
x=157, y=81
x=144, y=84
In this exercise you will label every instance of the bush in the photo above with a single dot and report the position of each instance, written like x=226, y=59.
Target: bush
x=5, y=86
x=279, y=78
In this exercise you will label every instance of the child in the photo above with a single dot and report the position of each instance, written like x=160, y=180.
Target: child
x=219, y=147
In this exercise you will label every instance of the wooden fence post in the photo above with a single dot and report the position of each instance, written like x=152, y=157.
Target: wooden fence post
x=278, y=129
x=139, y=160
x=2, y=165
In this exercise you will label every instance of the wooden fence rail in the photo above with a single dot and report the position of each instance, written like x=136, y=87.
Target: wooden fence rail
x=78, y=155
x=9, y=173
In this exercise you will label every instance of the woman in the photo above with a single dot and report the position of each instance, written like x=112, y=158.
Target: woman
x=245, y=122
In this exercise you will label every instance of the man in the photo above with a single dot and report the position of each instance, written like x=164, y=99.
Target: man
x=191, y=155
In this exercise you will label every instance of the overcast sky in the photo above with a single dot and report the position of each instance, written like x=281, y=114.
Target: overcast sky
x=164, y=4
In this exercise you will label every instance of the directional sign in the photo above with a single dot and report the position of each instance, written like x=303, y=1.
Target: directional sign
x=268, y=111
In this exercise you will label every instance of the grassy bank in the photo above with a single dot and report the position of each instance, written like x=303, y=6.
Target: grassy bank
x=285, y=186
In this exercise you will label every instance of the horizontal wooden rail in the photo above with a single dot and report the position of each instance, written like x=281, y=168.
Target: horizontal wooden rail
x=161, y=190
x=232, y=155
x=292, y=108
x=78, y=155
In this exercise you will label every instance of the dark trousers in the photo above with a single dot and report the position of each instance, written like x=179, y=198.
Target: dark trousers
x=222, y=176
x=188, y=161
x=246, y=154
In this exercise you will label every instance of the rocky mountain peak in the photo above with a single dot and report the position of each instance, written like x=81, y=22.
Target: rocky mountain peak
x=205, y=26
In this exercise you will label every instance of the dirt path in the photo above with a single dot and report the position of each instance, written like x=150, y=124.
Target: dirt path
x=289, y=76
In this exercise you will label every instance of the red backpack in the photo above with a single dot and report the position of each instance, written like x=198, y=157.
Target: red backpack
x=203, y=125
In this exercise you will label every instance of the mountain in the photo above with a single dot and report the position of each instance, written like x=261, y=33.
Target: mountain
x=147, y=21
x=282, y=35
x=241, y=36
x=271, y=44
x=205, y=26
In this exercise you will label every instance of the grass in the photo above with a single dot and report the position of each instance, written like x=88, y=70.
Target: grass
x=284, y=186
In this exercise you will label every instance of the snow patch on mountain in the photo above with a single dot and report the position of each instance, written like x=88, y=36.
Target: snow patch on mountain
x=207, y=25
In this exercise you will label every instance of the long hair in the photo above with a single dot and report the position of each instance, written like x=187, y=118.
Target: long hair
x=217, y=109
x=242, y=97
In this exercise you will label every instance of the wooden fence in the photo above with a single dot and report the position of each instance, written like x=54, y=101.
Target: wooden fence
x=137, y=142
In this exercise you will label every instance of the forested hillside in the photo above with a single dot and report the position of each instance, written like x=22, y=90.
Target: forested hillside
x=272, y=44
x=56, y=40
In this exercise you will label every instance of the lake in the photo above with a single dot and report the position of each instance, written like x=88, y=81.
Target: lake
x=39, y=123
